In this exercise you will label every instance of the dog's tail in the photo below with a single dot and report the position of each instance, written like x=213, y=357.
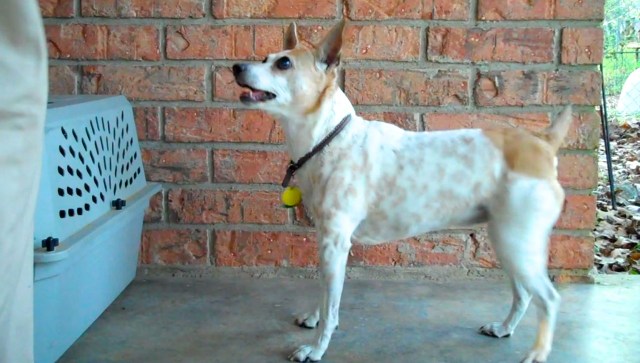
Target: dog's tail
x=556, y=132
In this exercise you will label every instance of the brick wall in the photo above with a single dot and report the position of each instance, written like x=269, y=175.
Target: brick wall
x=421, y=64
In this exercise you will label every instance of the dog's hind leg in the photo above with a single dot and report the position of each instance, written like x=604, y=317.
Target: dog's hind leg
x=522, y=218
x=334, y=247
x=547, y=300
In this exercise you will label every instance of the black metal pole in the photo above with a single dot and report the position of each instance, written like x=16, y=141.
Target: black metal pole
x=605, y=135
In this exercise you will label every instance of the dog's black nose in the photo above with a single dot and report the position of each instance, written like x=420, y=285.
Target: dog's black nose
x=239, y=68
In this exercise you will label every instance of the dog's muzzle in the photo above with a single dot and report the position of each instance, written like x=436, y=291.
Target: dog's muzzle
x=254, y=95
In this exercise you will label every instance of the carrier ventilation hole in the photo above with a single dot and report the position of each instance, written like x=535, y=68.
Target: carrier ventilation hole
x=105, y=144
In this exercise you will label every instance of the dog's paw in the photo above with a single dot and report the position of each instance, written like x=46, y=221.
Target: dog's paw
x=305, y=353
x=308, y=321
x=536, y=356
x=496, y=330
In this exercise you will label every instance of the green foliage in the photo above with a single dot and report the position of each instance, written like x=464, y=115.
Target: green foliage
x=619, y=18
x=616, y=67
x=622, y=18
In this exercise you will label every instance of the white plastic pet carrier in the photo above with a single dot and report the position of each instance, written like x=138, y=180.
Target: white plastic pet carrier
x=89, y=215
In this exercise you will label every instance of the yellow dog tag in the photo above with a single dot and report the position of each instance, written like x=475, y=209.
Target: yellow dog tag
x=291, y=196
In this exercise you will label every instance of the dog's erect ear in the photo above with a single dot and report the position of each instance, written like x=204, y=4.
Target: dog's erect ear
x=328, y=51
x=291, y=38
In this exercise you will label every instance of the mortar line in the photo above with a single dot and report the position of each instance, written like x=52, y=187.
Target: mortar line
x=424, y=47
x=225, y=187
x=533, y=108
x=242, y=146
x=340, y=6
x=211, y=21
x=473, y=10
x=355, y=63
x=286, y=228
x=165, y=205
x=210, y=164
x=557, y=48
x=232, y=227
x=210, y=248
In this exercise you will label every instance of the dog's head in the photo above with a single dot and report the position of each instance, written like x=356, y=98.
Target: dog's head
x=294, y=80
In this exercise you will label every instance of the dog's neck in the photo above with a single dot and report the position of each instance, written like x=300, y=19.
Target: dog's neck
x=304, y=131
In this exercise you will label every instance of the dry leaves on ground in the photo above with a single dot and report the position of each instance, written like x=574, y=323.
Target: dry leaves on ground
x=617, y=232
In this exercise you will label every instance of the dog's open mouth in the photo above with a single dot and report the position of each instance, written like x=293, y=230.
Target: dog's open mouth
x=254, y=95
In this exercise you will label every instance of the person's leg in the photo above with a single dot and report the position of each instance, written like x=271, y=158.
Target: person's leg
x=23, y=100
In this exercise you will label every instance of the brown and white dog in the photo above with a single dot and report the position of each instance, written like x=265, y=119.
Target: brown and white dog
x=375, y=182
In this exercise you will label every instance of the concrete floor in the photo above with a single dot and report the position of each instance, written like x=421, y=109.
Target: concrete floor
x=164, y=319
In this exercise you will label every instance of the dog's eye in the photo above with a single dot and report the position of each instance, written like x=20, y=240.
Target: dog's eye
x=284, y=63
x=265, y=60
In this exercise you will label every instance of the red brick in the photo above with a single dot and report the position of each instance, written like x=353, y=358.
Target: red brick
x=282, y=249
x=578, y=171
x=573, y=87
x=307, y=9
x=220, y=124
x=480, y=251
x=431, y=249
x=147, y=122
x=519, y=45
x=407, y=88
x=209, y=42
x=63, y=80
x=144, y=8
x=584, y=132
x=267, y=39
x=301, y=217
x=523, y=88
x=57, y=8
x=450, y=121
x=90, y=41
x=374, y=42
x=382, y=42
x=166, y=83
x=571, y=252
x=313, y=34
x=579, y=212
x=404, y=120
x=582, y=45
x=176, y=166
x=540, y=9
x=217, y=206
x=579, y=9
x=515, y=9
x=153, y=213
x=174, y=247
x=247, y=166
x=408, y=9
x=509, y=88
x=224, y=85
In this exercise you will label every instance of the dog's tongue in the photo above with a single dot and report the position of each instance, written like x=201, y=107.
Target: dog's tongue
x=254, y=95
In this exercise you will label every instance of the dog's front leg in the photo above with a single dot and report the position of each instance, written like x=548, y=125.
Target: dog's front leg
x=334, y=251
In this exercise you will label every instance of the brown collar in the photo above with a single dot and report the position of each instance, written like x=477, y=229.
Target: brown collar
x=294, y=166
